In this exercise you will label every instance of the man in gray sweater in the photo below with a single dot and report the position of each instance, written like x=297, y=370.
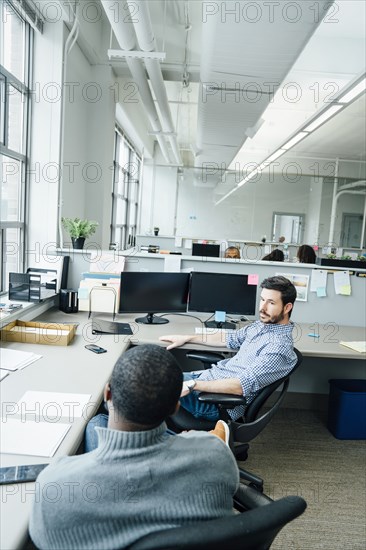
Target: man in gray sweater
x=139, y=479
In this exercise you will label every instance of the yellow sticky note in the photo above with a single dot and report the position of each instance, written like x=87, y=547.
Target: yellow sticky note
x=346, y=290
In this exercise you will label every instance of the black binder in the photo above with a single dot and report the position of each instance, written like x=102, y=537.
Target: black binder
x=99, y=326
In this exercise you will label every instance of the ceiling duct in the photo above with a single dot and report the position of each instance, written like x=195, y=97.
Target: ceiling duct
x=147, y=43
x=126, y=38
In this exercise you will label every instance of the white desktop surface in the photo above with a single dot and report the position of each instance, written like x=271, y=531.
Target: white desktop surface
x=74, y=369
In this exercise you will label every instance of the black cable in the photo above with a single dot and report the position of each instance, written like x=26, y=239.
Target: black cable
x=182, y=315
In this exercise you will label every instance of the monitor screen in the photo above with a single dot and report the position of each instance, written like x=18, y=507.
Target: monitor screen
x=211, y=250
x=210, y=292
x=150, y=292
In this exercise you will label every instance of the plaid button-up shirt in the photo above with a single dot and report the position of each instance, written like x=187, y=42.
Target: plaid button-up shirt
x=265, y=354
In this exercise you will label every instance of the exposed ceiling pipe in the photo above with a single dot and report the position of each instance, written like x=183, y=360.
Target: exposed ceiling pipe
x=147, y=43
x=126, y=38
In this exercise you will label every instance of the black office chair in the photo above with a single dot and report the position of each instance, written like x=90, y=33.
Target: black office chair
x=244, y=429
x=255, y=528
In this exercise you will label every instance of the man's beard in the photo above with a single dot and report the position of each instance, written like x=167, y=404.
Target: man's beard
x=275, y=319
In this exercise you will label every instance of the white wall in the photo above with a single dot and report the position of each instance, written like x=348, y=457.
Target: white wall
x=245, y=215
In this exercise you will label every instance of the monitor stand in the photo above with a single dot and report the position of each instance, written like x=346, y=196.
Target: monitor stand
x=150, y=319
x=220, y=324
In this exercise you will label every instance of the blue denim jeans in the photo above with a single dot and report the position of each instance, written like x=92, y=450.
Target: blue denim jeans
x=197, y=408
x=91, y=436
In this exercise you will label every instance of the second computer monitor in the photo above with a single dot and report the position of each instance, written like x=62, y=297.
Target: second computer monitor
x=224, y=292
x=151, y=292
x=209, y=250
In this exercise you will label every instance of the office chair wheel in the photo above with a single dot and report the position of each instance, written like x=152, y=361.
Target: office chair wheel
x=243, y=455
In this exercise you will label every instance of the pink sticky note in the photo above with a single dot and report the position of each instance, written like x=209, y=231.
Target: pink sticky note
x=253, y=279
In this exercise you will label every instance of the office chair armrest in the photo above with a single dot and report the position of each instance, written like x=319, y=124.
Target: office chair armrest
x=225, y=400
x=247, y=498
x=205, y=356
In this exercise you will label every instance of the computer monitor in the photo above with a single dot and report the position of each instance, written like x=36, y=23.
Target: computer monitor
x=210, y=250
x=221, y=292
x=150, y=292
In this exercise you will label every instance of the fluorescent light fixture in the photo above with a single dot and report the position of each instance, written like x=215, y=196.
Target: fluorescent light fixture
x=247, y=178
x=295, y=140
x=225, y=196
x=322, y=118
x=354, y=92
x=275, y=156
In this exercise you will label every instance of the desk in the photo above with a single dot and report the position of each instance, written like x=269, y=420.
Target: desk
x=76, y=370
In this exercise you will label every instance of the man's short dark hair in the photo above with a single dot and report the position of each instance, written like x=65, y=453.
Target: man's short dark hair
x=146, y=384
x=283, y=285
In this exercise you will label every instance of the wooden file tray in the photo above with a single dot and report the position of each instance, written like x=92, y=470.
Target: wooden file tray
x=51, y=334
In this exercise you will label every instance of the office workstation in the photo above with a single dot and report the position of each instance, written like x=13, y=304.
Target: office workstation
x=153, y=133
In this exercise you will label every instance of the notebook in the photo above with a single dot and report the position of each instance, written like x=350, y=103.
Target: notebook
x=100, y=326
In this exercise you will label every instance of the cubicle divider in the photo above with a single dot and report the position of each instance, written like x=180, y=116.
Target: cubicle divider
x=332, y=309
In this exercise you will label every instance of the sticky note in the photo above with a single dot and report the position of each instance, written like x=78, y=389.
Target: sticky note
x=320, y=292
x=220, y=316
x=346, y=290
x=253, y=279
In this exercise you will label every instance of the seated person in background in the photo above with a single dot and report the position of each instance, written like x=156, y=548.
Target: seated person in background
x=265, y=353
x=232, y=252
x=139, y=479
x=275, y=256
x=281, y=239
x=306, y=254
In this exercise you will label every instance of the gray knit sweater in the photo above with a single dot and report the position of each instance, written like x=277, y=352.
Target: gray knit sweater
x=134, y=483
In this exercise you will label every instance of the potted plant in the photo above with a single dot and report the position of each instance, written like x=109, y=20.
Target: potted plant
x=344, y=261
x=79, y=230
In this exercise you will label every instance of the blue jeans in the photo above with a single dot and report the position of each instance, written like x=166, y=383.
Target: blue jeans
x=91, y=436
x=197, y=408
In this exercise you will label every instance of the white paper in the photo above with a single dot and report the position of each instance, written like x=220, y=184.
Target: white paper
x=48, y=406
x=172, y=263
x=341, y=280
x=31, y=438
x=107, y=263
x=12, y=359
x=318, y=279
x=357, y=346
x=178, y=241
x=187, y=243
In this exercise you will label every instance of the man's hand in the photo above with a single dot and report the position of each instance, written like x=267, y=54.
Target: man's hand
x=185, y=390
x=176, y=340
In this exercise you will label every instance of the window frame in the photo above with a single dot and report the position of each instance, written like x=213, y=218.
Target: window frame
x=123, y=232
x=22, y=156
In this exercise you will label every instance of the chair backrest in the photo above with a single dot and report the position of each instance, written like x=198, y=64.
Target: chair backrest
x=253, y=424
x=256, y=405
x=251, y=530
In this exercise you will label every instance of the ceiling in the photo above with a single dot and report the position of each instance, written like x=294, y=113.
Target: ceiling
x=246, y=80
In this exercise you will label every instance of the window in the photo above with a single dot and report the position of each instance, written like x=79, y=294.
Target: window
x=15, y=53
x=127, y=167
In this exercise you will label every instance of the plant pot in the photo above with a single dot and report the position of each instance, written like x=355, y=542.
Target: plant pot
x=78, y=243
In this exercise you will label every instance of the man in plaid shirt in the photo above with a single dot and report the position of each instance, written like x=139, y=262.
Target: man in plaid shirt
x=265, y=353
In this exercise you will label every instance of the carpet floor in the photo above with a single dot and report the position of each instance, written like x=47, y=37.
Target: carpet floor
x=297, y=455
